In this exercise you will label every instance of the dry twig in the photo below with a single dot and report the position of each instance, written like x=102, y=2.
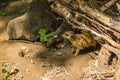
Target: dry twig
x=107, y=5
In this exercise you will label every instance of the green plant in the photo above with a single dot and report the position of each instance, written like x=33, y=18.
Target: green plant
x=44, y=36
x=2, y=14
x=8, y=73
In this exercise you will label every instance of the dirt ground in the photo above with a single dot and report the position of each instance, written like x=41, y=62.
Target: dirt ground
x=37, y=63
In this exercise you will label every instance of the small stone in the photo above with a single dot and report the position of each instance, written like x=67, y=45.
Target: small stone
x=6, y=64
x=27, y=70
x=32, y=61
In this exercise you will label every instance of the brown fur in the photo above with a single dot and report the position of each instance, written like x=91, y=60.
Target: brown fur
x=80, y=41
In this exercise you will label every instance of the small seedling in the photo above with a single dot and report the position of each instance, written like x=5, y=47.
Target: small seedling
x=8, y=73
x=44, y=36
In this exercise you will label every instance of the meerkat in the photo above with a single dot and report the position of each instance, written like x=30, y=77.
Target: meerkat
x=80, y=41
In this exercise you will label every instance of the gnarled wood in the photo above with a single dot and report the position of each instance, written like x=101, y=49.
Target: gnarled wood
x=106, y=28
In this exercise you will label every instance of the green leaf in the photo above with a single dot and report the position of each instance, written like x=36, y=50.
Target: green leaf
x=43, y=35
x=41, y=39
x=42, y=32
x=49, y=34
x=4, y=70
x=45, y=38
x=6, y=77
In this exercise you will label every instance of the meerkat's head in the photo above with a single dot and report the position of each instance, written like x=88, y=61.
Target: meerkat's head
x=68, y=35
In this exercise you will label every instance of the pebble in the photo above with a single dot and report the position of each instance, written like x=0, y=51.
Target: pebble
x=32, y=61
x=27, y=70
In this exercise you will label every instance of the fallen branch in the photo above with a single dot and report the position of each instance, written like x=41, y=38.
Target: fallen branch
x=107, y=5
x=106, y=29
x=109, y=22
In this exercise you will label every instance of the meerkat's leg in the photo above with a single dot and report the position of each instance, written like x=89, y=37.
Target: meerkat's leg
x=77, y=52
x=73, y=49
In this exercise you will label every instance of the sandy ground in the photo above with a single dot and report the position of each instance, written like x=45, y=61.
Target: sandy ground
x=38, y=63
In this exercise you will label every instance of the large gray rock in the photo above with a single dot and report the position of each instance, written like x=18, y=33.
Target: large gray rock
x=27, y=26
